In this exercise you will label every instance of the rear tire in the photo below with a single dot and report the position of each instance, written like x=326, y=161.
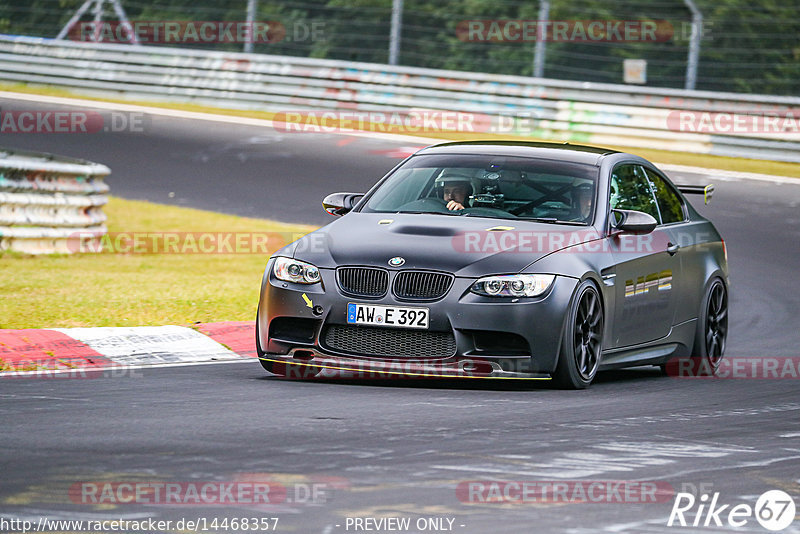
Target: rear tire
x=582, y=345
x=712, y=327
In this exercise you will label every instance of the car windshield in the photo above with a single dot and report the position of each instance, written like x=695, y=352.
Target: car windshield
x=489, y=186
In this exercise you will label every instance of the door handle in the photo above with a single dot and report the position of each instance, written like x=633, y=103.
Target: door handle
x=672, y=248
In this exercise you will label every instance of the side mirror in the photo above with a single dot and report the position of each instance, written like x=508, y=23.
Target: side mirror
x=338, y=204
x=633, y=222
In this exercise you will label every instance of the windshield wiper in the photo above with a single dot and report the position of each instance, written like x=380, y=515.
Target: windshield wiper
x=489, y=216
x=541, y=219
x=553, y=220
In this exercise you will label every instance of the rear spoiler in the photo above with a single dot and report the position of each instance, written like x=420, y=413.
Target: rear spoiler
x=706, y=190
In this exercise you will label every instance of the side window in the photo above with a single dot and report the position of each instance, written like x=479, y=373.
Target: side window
x=669, y=203
x=630, y=190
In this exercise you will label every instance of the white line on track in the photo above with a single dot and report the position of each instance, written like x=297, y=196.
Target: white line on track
x=194, y=115
x=45, y=397
x=266, y=123
x=46, y=373
x=725, y=176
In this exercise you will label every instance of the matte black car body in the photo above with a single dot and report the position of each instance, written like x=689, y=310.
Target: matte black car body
x=646, y=317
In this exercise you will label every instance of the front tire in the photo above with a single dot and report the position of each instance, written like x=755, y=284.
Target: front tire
x=582, y=345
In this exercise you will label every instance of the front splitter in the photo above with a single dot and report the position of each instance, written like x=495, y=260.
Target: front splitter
x=318, y=365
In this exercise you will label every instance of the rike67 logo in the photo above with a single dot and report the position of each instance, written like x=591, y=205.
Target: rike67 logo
x=774, y=510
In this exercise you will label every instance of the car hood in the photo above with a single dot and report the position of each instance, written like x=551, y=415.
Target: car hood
x=465, y=246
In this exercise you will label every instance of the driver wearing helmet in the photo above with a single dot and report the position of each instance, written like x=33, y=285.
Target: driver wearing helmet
x=455, y=189
x=582, y=202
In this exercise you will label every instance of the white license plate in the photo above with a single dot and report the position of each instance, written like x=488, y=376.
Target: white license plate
x=387, y=315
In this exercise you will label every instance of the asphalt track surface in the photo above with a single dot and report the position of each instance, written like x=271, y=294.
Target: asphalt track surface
x=401, y=449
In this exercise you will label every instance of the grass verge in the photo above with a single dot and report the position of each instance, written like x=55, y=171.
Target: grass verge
x=778, y=168
x=131, y=289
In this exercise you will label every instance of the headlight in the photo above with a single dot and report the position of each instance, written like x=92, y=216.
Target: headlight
x=513, y=285
x=296, y=271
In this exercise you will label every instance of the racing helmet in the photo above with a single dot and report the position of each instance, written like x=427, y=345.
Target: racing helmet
x=452, y=177
x=582, y=189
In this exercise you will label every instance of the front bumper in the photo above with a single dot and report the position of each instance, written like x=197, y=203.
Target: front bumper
x=483, y=329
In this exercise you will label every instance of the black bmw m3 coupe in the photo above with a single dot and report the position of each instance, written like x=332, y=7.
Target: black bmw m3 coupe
x=499, y=260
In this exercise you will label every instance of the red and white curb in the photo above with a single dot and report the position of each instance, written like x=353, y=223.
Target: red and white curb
x=69, y=349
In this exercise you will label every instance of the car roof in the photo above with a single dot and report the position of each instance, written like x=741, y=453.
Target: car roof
x=554, y=151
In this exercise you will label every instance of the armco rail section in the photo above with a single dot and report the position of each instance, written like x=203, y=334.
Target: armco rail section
x=750, y=126
x=50, y=204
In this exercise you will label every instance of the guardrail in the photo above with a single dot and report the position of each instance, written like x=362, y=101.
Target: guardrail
x=603, y=114
x=50, y=204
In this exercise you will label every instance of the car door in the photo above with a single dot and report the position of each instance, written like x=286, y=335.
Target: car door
x=645, y=266
x=684, y=234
